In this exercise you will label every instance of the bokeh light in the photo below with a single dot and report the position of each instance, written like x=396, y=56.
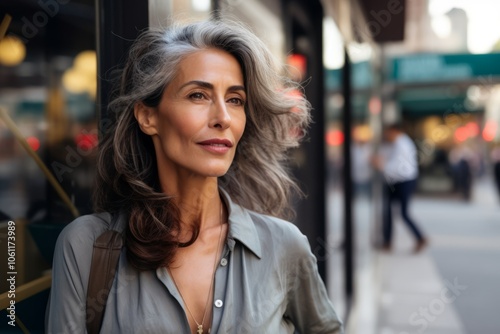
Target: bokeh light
x=12, y=51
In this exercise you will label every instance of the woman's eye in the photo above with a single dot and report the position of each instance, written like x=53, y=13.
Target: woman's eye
x=237, y=101
x=196, y=96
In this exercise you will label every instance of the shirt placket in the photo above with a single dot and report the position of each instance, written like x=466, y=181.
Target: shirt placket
x=220, y=301
x=164, y=276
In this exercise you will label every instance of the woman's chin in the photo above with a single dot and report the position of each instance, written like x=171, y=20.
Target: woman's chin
x=219, y=173
x=214, y=172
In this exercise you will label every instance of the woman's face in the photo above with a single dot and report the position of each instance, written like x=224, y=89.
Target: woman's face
x=200, y=118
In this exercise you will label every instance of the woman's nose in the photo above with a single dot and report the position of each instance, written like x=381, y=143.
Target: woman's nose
x=220, y=117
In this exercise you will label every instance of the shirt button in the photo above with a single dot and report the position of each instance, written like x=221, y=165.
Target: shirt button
x=223, y=262
x=218, y=303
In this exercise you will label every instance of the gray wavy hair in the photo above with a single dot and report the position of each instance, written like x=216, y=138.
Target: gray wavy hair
x=257, y=179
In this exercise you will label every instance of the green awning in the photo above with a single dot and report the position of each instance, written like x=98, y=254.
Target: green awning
x=433, y=101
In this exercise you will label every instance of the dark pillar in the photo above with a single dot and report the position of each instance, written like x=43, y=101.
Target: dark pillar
x=348, y=219
x=215, y=9
x=118, y=23
x=303, y=25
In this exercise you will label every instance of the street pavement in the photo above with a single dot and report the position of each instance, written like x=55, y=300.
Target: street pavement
x=449, y=288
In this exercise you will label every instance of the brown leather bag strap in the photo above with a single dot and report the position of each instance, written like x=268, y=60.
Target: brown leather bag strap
x=107, y=249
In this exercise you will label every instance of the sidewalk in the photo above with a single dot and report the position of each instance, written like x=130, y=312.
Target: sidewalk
x=414, y=297
x=405, y=293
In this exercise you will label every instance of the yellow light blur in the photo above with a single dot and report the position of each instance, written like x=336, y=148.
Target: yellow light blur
x=440, y=134
x=12, y=51
x=86, y=61
x=75, y=81
x=363, y=133
x=82, y=77
x=430, y=123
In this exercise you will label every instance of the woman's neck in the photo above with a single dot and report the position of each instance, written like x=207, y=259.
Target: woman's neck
x=198, y=200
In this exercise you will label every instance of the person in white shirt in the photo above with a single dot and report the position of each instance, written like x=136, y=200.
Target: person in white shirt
x=398, y=163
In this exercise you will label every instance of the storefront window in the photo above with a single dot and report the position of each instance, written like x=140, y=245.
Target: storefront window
x=47, y=97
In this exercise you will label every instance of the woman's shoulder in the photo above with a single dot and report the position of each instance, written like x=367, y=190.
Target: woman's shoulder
x=83, y=231
x=274, y=224
x=279, y=233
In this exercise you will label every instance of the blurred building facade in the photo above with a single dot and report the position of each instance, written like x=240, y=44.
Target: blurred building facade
x=421, y=35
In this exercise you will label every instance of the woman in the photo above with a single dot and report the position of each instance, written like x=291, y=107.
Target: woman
x=192, y=169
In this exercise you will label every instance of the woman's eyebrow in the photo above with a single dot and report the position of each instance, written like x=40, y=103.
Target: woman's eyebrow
x=208, y=85
x=236, y=88
x=200, y=83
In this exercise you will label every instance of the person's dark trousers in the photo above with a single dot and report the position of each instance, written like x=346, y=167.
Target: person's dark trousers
x=496, y=171
x=465, y=178
x=401, y=192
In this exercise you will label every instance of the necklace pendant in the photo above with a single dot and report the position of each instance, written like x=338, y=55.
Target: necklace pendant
x=200, y=329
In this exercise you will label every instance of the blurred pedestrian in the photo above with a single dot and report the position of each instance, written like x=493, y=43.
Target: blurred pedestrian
x=495, y=161
x=192, y=170
x=463, y=161
x=399, y=165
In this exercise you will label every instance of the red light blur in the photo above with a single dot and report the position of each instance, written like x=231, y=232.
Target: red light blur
x=299, y=62
x=490, y=130
x=472, y=129
x=34, y=143
x=334, y=137
x=86, y=141
x=461, y=134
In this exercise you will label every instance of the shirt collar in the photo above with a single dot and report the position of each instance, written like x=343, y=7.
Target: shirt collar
x=241, y=226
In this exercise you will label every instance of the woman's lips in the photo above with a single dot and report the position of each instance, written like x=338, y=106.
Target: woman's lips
x=220, y=146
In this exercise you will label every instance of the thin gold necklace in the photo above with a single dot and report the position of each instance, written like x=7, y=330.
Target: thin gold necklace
x=200, y=326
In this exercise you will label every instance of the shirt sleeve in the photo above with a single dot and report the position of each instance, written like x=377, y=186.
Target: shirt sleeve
x=308, y=305
x=401, y=163
x=70, y=271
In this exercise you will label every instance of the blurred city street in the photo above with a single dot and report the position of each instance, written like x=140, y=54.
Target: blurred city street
x=450, y=287
x=404, y=95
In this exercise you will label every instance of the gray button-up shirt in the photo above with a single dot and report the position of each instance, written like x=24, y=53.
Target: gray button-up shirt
x=266, y=282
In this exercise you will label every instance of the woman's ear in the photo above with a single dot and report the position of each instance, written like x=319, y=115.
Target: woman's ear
x=146, y=117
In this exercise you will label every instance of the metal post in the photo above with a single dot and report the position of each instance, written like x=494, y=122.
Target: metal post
x=348, y=195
